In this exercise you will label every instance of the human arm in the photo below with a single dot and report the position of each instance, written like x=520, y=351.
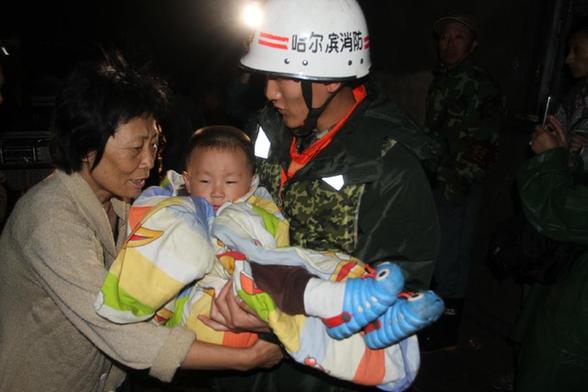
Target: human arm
x=478, y=128
x=575, y=141
x=167, y=250
x=548, y=137
x=210, y=356
x=398, y=220
x=554, y=135
x=65, y=254
x=467, y=113
x=552, y=203
x=230, y=313
x=65, y=250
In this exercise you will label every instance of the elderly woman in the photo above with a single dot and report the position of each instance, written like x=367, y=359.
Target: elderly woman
x=64, y=234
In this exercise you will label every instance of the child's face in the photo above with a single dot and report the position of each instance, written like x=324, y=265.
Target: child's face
x=218, y=175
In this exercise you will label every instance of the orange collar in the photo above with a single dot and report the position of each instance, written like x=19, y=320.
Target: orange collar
x=299, y=160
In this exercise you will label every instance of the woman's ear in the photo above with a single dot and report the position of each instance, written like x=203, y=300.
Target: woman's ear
x=88, y=160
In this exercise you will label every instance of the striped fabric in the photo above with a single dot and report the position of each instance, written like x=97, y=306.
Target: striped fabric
x=178, y=254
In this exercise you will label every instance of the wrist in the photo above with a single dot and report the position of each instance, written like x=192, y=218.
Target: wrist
x=248, y=358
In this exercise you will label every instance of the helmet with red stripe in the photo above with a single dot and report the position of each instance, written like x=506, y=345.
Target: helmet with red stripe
x=318, y=40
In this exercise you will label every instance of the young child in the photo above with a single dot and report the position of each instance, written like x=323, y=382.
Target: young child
x=230, y=229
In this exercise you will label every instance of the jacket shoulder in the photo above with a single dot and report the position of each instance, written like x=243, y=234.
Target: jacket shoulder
x=395, y=126
x=41, y=207
x=43, y=199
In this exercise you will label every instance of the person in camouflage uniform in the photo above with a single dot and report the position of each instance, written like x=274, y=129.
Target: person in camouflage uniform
x=377, y=214
x=342, y=162
x=464, y=110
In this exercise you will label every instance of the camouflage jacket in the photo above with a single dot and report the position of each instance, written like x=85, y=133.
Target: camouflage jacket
x=464, y=110
x=384, y=210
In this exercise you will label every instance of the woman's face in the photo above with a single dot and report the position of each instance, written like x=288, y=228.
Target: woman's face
x=128, y=158
x=577, y=58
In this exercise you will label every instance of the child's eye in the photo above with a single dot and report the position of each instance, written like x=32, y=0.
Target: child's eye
x=203, y=181
x=231, y=182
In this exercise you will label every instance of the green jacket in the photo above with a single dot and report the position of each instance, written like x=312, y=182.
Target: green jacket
x=464, y=110
x=385, y=210
x=554, y=355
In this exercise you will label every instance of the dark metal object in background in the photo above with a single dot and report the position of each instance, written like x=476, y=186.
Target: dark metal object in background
x=24, y=149
x=554, y=81
x=24, y=159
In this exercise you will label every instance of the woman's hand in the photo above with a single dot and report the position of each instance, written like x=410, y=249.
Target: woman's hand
x=230, y=313
x=548, y=137
x=203, y=355
x=265, y=354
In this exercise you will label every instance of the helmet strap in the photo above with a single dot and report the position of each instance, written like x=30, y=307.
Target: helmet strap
x=313, y=113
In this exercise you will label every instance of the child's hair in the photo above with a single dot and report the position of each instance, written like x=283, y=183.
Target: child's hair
x=222, y=137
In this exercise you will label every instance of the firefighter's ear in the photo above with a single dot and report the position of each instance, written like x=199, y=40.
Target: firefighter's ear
x=333, y=86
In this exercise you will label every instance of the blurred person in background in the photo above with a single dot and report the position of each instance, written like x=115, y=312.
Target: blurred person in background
x=553, y=355
x=464, y=111
x=573, y=110
x=554, y=194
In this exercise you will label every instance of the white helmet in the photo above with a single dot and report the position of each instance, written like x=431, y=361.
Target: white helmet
x=311, y=40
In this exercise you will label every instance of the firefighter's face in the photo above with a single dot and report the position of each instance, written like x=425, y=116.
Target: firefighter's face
x=286, y=96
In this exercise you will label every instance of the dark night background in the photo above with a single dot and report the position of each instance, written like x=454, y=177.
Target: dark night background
x=196, y=43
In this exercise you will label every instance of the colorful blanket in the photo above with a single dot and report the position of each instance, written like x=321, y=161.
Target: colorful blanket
x=178, y=255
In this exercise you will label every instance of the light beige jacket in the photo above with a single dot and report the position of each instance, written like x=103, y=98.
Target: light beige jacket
x=55, y=251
